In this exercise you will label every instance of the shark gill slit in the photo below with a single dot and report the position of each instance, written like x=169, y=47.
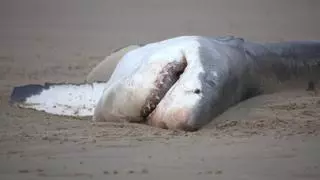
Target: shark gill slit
x=167, y=77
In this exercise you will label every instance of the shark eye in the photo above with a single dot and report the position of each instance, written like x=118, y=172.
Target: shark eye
x=197, y=91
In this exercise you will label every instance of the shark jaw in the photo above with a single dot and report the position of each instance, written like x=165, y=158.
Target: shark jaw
x=167, y=77
x=135, y=97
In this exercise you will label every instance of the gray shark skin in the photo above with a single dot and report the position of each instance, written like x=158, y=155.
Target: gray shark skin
x=235, y=70
x=280, y=62
x=259, y=67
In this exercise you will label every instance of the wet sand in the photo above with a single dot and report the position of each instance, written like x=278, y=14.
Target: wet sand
x=274, y=136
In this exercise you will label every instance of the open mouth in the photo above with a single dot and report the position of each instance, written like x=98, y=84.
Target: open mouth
x=167, y=77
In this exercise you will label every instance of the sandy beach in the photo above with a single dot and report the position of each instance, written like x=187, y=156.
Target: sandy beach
x=273, y=136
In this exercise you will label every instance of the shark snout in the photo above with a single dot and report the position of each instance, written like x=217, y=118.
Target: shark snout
x=176, y=119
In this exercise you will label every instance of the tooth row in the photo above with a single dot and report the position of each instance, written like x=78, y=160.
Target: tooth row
x=167, y=77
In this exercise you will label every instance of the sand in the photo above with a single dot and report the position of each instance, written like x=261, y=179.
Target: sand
x=274, y=136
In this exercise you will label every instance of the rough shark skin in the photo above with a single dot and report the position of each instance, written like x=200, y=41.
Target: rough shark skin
x=207, y=77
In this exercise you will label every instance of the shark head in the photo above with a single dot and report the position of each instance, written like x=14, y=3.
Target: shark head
x=180, y=84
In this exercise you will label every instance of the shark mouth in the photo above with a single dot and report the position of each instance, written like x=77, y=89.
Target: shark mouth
x=80, y=100
x=141, y=80
x=167, y=77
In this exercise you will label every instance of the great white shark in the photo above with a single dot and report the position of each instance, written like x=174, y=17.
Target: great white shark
x=181, y=83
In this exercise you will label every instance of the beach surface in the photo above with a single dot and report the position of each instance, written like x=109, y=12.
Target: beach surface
x=273, y=136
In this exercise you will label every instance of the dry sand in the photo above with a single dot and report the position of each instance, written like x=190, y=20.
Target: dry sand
x=274, y=136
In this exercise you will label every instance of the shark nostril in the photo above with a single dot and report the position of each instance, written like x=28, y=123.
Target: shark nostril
x=197, y=91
